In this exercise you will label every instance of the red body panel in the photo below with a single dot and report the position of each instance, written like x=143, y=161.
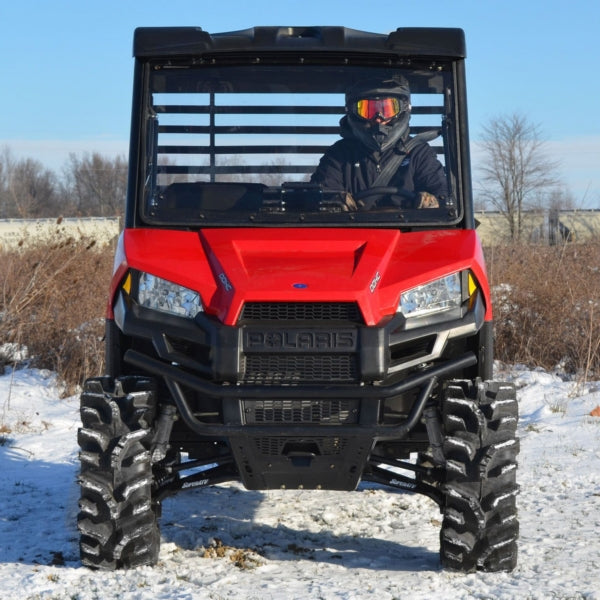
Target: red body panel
x=369, y=266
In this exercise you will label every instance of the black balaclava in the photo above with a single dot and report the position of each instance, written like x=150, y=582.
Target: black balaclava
x=378, y=137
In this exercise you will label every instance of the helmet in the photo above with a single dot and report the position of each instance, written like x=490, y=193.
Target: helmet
x=379, y=111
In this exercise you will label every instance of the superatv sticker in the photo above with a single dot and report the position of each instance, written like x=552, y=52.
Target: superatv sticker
x=199, y=483
x=402, y=484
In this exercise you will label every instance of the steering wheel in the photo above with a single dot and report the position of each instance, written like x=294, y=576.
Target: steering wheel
x=369, y=197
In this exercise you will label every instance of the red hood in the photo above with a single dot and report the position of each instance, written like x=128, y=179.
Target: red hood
x=369, y=266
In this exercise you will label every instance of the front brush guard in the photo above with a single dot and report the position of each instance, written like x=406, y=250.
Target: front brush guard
x=368, y=427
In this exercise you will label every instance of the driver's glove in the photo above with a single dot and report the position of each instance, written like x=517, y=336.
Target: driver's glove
x=349, y=203
x=427, y=200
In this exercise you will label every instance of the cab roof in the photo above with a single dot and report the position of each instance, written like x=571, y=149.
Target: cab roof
x=194, y=41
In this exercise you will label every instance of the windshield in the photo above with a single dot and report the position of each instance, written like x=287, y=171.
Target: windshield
x=269, y=144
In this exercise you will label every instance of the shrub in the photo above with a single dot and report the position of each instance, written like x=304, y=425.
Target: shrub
x=547, y=305
x=52, y=303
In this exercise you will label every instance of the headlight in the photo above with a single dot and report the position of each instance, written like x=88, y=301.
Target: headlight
x=159, y=294
x=433, y=298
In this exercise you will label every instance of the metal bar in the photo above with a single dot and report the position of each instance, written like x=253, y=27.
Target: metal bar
x=212, y=137
x=219, y=474
x=249, y=110
x=205, y=170
x=367, y=432
x=252, y=129
x=174, y=378
x=395, y=480
x=189, y=149
x=267, y=110
x=259, y=392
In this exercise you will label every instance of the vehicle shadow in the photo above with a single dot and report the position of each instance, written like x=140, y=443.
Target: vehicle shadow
x=198, y=519
x=38, y=523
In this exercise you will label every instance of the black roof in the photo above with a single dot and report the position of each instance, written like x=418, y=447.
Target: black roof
x=193, y=41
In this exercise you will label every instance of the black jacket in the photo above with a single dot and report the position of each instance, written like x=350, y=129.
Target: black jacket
x=350, y=167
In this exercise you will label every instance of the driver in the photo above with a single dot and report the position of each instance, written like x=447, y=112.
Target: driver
x=375, y=135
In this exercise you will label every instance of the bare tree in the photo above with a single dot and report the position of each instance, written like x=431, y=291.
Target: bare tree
x=27, y=188
x=560, y=198
x=96, y=185
x=515, y=168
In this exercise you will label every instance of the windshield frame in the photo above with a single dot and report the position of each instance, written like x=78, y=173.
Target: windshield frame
x=288, y=80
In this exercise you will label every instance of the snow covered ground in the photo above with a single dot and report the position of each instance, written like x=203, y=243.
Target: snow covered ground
x=225, y=542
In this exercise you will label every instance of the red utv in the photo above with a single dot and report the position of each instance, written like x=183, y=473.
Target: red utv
x=264, y=328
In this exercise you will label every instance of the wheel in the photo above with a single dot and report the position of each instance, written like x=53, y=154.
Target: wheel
x=117, y=520
x=480, y=526
x=368, y=198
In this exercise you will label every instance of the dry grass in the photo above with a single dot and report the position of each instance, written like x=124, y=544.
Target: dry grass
x=52, y=302
x=547, y=306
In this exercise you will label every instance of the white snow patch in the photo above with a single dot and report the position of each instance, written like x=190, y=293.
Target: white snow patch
x=372, y=543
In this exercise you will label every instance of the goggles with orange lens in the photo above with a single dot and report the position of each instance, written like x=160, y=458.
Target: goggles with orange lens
x=384, y=108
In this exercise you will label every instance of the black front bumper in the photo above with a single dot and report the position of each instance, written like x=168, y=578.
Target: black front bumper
x=370, y=395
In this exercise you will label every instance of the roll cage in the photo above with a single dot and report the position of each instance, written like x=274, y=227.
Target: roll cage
x=230, y=126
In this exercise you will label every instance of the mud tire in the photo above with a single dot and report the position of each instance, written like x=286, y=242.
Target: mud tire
x=117, y=519
x=480, y=526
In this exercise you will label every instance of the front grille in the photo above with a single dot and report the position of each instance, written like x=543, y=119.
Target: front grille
x=327, y=412
x=277, y=446
x=274, y=369
x=301, y=311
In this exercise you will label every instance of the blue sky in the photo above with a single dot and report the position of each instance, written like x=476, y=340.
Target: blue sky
x=66, y=66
